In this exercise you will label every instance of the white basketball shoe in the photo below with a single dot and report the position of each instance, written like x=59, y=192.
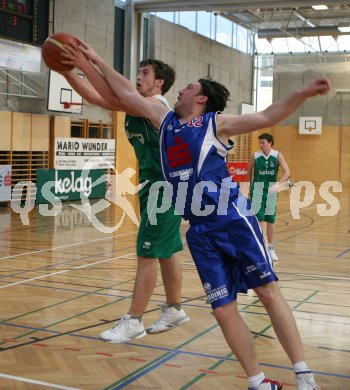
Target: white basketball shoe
x=169, y=319
x=124, y=330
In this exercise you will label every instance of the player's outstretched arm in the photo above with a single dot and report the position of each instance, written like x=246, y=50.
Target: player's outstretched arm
x=98, y=90
x=86, y=90
x=229, y=125
x=130, y=99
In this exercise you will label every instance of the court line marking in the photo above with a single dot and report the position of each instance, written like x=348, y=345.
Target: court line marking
x=47, y=384
x=67, y=246
x=315, y=227
x=87, y=265
x=64, y=271
x=316, y=199
x=231, y=354
x=302, y=210
x=343, y=253
x=180, y=351
x=128, y=292
x=58, y=264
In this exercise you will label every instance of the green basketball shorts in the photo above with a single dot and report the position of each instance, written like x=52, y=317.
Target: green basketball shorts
x=160, y=240
x=264, y=206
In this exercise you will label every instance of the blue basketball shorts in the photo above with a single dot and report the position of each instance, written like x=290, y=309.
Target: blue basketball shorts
x=230, y=255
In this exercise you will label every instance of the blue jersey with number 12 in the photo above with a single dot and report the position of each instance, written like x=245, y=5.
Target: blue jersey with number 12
x=193, y=162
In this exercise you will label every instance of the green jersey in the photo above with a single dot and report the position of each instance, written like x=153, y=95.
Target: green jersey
x=266, y=168
x=265, y=172
x=145, y=140
x=163, y=239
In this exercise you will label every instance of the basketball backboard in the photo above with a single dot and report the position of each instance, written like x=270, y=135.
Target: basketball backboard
x=61, y=96
x=310, y=125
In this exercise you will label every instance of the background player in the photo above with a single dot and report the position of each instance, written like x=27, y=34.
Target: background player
x=263, y=171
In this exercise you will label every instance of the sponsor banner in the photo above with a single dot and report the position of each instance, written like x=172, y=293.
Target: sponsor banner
x=74, y=153
x=69, y=185
x=5, y=183
x=20, y=56
x=238, y=171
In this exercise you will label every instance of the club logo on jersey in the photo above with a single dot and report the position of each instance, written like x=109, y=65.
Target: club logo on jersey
x=266, y=172
x=216, y=293
x=184, y=174
x=179, y=154
x=139, y=136
x=146, y=245
x=250, y=268
x=265, y=275
x=207, y=287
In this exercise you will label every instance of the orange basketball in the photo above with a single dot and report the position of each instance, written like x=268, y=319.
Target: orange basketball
x=52, y=49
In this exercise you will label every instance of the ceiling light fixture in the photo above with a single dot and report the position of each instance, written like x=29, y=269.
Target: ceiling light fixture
x=344, y=29
x=319, y=7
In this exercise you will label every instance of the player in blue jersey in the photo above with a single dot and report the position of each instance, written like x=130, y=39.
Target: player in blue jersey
x=225, y=240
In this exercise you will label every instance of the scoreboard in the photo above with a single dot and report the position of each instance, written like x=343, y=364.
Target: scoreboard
x=24, y=20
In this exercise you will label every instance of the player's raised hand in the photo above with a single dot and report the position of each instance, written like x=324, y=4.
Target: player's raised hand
x=89, y=52
x=319, y=86
x=74, y=57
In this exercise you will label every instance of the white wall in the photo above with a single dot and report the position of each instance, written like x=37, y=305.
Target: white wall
x=191, y=55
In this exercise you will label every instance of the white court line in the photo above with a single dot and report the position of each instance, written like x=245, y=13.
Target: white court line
x=52, y=385
x=300, y=210
x=286, y=202
x=319, y=276
x=65, y=270
x=65, y=246
x=308, y=208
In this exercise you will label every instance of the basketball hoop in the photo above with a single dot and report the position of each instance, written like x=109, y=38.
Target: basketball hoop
x=69, y=104
x=75, y=108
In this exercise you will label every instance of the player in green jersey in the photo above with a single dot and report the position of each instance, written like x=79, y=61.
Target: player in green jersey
x=160, y=241
x=263, y=169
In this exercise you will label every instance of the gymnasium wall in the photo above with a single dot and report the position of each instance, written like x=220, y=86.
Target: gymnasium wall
x=315, y=157
x=91, y=20
x=195, y=56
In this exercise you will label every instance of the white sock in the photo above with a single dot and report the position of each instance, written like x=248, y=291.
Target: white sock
x=301, y=367
x=254, y=381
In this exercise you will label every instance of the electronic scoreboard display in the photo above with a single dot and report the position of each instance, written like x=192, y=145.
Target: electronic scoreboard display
x=24, y=20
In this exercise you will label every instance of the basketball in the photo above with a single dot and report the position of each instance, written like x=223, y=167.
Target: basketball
x=52, y=49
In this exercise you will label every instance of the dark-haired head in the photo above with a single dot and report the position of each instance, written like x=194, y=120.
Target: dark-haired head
x=217, y=95
x=268, y=137
x=162, y=71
